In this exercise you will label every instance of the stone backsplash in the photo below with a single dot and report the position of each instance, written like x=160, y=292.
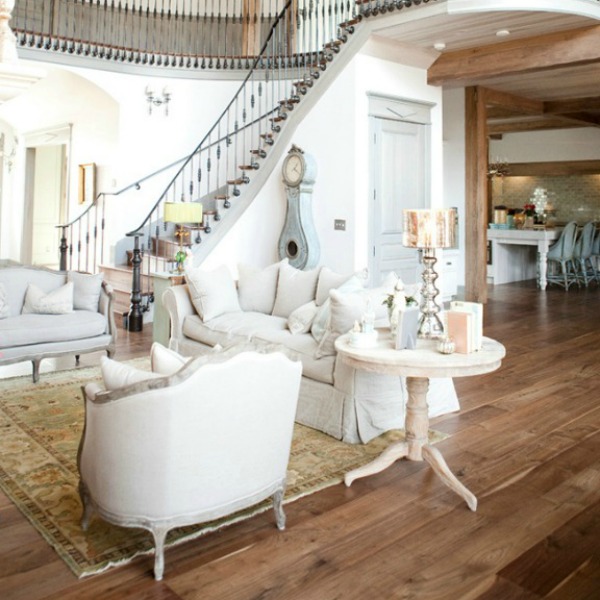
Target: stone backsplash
x=575, y=197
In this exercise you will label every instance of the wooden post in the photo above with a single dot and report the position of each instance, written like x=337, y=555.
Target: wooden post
x=476, y=191
x=136, y=322
x=63, y=249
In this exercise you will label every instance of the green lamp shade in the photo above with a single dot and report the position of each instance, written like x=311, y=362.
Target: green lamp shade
x=182, y=212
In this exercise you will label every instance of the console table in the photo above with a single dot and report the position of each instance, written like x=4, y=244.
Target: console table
x=510, y=263
x=418, y=366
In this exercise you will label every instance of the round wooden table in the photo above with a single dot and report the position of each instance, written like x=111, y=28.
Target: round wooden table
x=418, y=366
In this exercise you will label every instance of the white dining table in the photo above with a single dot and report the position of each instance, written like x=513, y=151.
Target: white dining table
x=511, y=258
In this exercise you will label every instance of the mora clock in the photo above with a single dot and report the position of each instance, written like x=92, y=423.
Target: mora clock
x=298, y=241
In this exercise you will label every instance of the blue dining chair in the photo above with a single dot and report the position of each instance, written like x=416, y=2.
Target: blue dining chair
x=561, y=268
x=582, y=254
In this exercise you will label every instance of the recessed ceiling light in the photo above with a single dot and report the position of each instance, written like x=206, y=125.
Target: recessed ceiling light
x=439, y=46
x=502, y=32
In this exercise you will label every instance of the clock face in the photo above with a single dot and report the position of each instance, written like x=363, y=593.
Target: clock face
x=293, y=169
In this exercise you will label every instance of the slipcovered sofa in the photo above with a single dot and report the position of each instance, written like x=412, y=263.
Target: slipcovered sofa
x=304, y=312
x=45, y=313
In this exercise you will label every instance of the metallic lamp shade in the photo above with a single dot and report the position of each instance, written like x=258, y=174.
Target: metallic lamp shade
x=429, y=228
x=182, y=212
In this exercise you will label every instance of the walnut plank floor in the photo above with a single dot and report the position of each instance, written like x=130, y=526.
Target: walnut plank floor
x=526, y=442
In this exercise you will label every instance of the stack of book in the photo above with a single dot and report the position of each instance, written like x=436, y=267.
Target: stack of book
x=464, y=324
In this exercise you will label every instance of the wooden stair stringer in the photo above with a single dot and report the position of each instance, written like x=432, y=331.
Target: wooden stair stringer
x=281, y=141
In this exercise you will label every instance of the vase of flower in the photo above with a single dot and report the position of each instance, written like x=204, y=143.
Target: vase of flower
x=529, y=212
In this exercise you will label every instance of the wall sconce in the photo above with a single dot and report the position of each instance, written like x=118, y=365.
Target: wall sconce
x=158, y=99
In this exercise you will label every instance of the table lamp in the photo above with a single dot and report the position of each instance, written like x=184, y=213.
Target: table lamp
x=429, y=229
x=180, y=213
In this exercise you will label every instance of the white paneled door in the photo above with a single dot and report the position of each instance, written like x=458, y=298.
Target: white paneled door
x=400, y=176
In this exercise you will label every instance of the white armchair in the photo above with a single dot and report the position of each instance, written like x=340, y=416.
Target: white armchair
x=205, y=442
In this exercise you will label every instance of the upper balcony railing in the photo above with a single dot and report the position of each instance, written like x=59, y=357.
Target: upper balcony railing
x=189, y=34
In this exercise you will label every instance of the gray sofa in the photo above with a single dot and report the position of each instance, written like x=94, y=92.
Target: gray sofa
x=348, y=404
x=37, y=321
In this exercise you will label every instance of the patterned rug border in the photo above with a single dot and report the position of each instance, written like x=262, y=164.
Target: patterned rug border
x=83, y=565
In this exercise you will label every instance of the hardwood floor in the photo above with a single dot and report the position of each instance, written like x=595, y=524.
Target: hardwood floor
x=526, y=442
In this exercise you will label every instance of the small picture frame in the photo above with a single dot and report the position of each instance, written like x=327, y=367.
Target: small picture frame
x=87, y=183
x=407, y=329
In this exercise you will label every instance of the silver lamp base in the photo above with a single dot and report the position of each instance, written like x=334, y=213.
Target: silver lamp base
x=430, y=325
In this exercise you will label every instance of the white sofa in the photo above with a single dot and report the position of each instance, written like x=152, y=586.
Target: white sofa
x=45, y=313
x=303, y=311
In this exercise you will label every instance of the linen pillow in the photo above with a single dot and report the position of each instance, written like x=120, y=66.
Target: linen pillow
x=319, y=324
x=86, y=290
x=257, y=287
x=294, y=288
x=56, y=302
x=4, y=308
x=301, y=319
x=346, y=308
x=212, y=292
x=117, y=375
x=330, y=280
x=166, y=361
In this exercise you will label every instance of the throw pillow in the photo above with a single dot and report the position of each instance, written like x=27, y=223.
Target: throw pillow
x=166, y=361
x=117, y=375
x=301, y=319
x=56, y=302
x=319, y=324
x=294, y=288
x=345, y=309
x=330, y=280
x=257, y=287
x=212, y=292
x=86, y=290
x=4, y=307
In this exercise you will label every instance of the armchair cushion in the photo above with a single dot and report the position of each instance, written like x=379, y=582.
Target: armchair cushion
x=165, y=361
x=4, y=307
x=117, y=375
x=55, y=302
x=86, y=290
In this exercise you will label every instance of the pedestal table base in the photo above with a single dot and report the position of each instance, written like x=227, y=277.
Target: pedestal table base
x=415, y=447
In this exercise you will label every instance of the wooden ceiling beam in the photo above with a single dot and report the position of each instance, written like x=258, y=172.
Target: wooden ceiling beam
x=513, y=102
x=559, y=168
x=532, y=125
x=551, y=51
x=589, y=119
x=572, y=105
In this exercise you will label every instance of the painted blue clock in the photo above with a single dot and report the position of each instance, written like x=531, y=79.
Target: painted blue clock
x=298, y=241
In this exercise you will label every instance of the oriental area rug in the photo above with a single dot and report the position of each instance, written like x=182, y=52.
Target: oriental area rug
x=40, y=428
